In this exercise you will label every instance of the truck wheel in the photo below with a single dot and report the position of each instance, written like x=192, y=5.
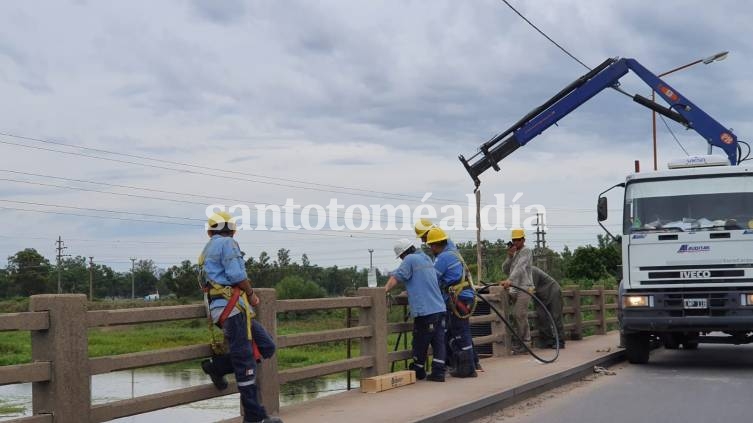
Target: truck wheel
x=671, y=341
x=690, y=345
x=637, y=347
x=690, y=341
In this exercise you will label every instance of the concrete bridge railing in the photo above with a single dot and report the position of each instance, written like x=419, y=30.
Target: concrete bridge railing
x=60, y=370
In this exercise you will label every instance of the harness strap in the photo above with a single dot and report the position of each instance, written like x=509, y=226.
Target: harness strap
x=231, y=303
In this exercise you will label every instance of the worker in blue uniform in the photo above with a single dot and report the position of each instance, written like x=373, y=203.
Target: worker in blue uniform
x=427, y=308
x=230, y=301
x=454, y=282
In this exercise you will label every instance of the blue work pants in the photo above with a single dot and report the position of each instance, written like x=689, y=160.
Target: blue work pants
x=240, y=361
x=429, y=330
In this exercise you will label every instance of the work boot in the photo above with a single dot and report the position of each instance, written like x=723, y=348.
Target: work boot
x=217, y=378
x=266, y=420
x=420, y=372
x=436, y=377
x=519, y=350
x=479, y=368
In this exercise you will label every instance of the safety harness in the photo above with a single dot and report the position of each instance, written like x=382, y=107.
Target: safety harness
x=233, y=294
x=457, y=306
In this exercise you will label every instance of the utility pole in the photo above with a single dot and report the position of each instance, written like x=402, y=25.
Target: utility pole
x=371, y=258
x=133, y=279
x=60, y=248
x=479, y=251
x=91, y=278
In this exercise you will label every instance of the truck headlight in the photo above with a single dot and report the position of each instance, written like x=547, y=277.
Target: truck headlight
x=638, y=301
x=746, y=299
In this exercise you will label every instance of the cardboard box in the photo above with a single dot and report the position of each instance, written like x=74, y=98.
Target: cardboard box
x=388, y=381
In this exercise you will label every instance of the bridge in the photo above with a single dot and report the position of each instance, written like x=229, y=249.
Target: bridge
x=60, y=371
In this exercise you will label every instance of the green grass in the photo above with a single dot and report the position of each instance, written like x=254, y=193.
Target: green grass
x=9, y=410
x=15, y=348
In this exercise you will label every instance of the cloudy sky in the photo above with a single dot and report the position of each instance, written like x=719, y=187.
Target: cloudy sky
x=121, y=121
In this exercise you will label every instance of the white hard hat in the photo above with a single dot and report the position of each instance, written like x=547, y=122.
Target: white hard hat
x=402, y=246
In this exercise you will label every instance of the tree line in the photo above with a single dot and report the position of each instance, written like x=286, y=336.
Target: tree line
x=28, y=273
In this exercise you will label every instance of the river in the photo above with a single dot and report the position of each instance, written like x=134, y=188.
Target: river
x=129, y=384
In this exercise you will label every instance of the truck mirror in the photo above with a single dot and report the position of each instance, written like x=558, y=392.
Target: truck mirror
x=601, y=209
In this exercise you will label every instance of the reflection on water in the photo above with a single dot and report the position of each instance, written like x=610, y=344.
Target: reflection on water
x=129, y=384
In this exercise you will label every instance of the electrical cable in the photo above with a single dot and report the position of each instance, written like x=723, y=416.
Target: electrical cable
x=552, y=324
x=336, y=188
x=545, y=36
x=673, y=135
x=740, y=151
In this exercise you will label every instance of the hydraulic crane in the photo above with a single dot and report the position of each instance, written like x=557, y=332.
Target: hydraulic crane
x=605, y=75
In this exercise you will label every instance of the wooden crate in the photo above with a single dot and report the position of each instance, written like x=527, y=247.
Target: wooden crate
x=388, y=381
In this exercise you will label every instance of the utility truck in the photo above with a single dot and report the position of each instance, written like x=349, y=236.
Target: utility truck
x=687, y=232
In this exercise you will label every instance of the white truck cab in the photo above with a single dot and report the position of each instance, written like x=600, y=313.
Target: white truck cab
x=687, y=256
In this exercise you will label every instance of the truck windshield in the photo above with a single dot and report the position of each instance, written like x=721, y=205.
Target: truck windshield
x=689, y=204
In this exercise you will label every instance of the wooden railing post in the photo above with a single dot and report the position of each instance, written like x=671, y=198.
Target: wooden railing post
x=375, y=317
x=578, y=331
x=67, y=395
x=498, y=299
x=269, y=385
x=602, y=312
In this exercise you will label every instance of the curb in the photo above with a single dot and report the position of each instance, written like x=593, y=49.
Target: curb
x=489, y=404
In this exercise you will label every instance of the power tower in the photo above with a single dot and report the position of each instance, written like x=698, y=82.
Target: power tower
x=540, y=255
x=60, y=247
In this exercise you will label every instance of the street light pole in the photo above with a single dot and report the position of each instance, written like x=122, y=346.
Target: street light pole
x=711, y=59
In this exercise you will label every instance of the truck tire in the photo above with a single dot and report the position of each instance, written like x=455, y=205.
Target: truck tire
x=690, y=345
x=672, y=341
x=637, y=347
x=690, y=341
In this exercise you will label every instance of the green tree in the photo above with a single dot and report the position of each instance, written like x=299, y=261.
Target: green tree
x=28, y=273
x=294, y=287
x=283, y=257
x=4, y=283
x=182, y=280
x=74, y=275
x=145, y=277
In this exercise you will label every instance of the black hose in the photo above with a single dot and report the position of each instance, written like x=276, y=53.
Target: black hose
x=485, y=289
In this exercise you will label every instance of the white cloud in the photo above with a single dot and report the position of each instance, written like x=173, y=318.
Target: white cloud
x=381, y=96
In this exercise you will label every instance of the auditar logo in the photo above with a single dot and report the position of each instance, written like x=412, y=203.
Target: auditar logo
x=685, y=248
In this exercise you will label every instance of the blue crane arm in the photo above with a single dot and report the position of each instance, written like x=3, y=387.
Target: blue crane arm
x=606, y=75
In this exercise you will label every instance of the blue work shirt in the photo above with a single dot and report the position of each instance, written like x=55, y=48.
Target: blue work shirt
x=417, y=273
x=223, y=264
x=450, y=246
x=450, y=271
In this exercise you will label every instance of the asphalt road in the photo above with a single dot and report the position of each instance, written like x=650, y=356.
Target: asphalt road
x=711, y=384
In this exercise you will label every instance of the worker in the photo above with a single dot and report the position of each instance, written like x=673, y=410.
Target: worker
x=427, y=308
x=454, y=282
x=231, y=300
x=422, y=228
x=518, y=268
x=549, y=293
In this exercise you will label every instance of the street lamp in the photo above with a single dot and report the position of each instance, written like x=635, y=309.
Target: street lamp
x=711, y=59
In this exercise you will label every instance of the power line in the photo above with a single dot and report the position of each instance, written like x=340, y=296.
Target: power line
x=432, y=200
x=542, y=33
x=313, y=233
x=335, y=188
x=673, y=135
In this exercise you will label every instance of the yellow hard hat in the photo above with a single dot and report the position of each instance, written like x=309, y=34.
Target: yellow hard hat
x=422, y=227
x=517, y=234
x=436, y=234
x=219, y=219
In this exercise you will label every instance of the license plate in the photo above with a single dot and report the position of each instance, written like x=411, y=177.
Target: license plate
x=696, y=303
